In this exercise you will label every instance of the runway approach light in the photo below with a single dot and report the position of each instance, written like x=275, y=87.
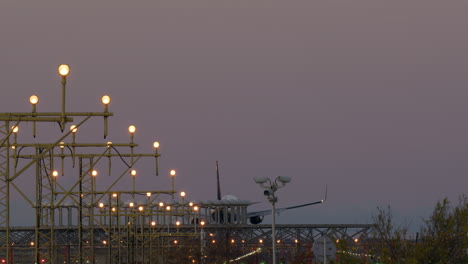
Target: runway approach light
x=63, y=70
x=106, y=100
x=33, y=99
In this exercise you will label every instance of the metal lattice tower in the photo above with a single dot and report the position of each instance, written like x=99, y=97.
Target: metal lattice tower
x=5, y=187
x=45, y=219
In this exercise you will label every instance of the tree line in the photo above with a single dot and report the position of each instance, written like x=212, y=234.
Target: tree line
x=442, y=238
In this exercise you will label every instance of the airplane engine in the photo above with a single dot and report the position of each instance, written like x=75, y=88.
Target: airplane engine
x=255, y=220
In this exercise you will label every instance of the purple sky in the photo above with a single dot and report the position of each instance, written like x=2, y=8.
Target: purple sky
x=369, y=97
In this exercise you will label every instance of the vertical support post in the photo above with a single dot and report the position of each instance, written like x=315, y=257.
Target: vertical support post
x=273, y=235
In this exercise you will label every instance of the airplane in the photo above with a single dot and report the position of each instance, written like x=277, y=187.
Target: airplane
x=253, y=217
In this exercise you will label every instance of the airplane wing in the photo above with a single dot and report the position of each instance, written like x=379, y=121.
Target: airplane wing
x=280, y=210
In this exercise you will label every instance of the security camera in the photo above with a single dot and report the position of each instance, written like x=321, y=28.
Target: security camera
x=260, y=180
x=284, y=179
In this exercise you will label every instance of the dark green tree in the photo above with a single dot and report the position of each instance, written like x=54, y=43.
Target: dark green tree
x=444, y=236
x=390, y=242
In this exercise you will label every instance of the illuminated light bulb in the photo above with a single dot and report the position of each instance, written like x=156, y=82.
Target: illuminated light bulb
x=140, y=208
x=148, y=194
x=33, y=99
x=114, y=195
x=233, y=241
x=73, y=128
x=101, y=205
x=213, y=241
x=131, y=204
x=133, y=172
x=278, y=241
x=168, y=208
x=113, y=209
x=106, y=100
x=175, y=242
x=104, y=242
x=63, y=70
x=153, y=223
x=202, y=223
x=15, y=129
x=62, y=145
x=55, y=173
x=156, y=145
x=261, y=240
x=190, y=204
x=131, y=129
x=13, y=147
x=182, y=194
x=94, y=173
x=173, y=172
x=195, y=208
x=177, y=223
x=161, y=204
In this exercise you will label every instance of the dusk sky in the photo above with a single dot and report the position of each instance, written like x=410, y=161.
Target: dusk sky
x=367, y=97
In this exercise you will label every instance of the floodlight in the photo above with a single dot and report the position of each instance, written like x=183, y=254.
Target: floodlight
x=260, y=180
x=284, y=179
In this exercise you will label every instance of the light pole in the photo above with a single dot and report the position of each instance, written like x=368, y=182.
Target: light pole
x=270, y=189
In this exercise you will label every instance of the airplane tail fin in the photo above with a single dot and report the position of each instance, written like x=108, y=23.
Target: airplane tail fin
x=217, y=179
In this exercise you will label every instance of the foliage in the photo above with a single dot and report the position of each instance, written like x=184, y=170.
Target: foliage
x=443, y=237
x=391, y=242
